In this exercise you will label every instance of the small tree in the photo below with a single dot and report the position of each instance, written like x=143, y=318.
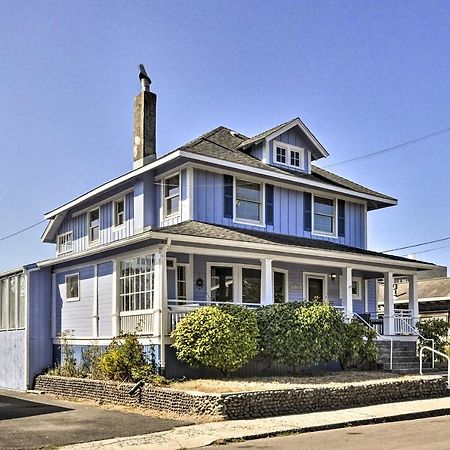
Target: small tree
x=436, y=329
x=218, y=337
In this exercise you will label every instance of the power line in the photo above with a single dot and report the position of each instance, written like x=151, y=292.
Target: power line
x=416, y=245
x=388, y=149
x=430, y=250
x=21, y=231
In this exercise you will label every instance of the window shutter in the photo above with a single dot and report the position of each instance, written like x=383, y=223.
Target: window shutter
x=307, y=211
x=269, y=204
x=341, y=218
x=228, y=196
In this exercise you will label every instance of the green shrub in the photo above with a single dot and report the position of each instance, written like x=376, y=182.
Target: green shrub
x=218, y=337
x=301, y=334
x=68, y=365
x=90, y=360
x=359, y=349
x=436, y=329
x=125, y=360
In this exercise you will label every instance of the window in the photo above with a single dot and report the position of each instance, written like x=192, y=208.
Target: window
x=181, y=282
x=119, y=212
x=324, y=216
x=94, y=225
x=12, y=302
x=251, y=285
x=21, y=304
x=72, y=287
x=248, y=201
x=172, y=195
x=221, y=284
x=64, y=243
x=279, y=287
x=356, y=288
x=281, y=155
x=137, y=281
x=288, y=155
x=4, y=304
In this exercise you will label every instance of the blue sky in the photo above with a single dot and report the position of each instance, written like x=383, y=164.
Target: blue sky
x=362, y=75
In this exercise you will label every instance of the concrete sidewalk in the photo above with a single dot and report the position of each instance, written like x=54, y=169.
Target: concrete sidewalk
x=205, y=434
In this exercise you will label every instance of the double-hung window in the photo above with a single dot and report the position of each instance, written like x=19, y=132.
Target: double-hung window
x=94, y=225
x=64, y=243
x=119, y=212
x=172, y=195
x=288, y=155
x=248, y=201
x=73, y=287
x=324, y=216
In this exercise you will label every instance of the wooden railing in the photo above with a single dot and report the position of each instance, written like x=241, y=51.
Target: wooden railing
x=139, y=322
x=403, y=322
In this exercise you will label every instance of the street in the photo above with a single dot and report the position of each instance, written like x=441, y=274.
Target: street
x=424, y=434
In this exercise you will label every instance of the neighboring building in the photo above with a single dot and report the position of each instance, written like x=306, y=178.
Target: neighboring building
x=433, y=290
x=224, y=218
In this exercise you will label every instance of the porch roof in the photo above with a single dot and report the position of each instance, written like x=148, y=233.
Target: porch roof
x=207, y=230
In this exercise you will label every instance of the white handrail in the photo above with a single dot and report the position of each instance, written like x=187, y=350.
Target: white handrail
x=380, y=336
x=433, y=351
x=417, y=333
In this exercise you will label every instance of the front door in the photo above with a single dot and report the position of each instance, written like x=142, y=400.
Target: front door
x=315, y=288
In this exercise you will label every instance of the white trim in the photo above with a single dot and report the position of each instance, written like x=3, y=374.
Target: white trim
x=365, y=225
x=115, y=304
x=366, y=295
x=93, y=243
x=104, y=340
x=26, y=282
x=315, y=275
x=166, y=216
x=95, y=316
x=190, y=192
x=285, y=272
x=335, y=218
x=114, y=213
x=71, y=275
x=357, y=296
x=289, y=150
x=53, y=318
x=262, y=212
x=266, y=152
x=190, y=277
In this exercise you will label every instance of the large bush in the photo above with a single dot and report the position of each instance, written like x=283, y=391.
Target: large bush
x=125, y=360
x=218, y=337
x=301, y=334
x=436, y=329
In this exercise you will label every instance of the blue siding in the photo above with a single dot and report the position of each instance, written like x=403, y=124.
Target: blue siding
x=12, y=367
x=288, y=211
x=183, y=211
x=257, y=152
x=105, y=299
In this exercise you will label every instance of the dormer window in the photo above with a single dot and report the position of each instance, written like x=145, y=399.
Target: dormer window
x=288, y=155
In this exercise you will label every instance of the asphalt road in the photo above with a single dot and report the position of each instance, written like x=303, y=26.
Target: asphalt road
x=423, y=434
x=30, y=421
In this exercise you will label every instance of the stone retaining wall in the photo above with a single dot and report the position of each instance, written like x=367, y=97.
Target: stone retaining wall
x=245, y=405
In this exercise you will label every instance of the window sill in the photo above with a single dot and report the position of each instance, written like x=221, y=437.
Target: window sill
x=74, y=299
x=318, y=233
x=172, y=216
x=249, y=222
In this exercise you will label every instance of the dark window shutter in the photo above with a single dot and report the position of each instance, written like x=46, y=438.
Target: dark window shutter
x=341, y=218
x=228, y=196
x=269, y=204
x=306, y=211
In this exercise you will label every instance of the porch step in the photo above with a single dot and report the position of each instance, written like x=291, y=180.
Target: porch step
x=404, y=357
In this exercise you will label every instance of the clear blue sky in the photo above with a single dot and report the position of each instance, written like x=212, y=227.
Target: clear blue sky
x=362, y=75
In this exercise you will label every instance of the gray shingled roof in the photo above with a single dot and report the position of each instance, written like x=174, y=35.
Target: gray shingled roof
x=207, y=230
x=264, y=134
x=426, y=288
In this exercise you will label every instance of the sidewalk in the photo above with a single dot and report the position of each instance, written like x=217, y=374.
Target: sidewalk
x=205, y=434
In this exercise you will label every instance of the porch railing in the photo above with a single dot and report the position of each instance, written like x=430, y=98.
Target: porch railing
x=139, y=322
x=404, y=322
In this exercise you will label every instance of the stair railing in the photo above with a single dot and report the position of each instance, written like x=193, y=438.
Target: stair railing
x=416, y=332
x=380, y=336
x=433, y=351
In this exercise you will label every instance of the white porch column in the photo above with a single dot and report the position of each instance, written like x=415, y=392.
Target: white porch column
x=347, y=292
x=266, y=282
x=388, y=322
x=161, y=302
x=413, y=298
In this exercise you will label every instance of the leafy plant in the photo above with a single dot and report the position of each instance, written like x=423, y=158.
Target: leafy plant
x=90, y=359
x=125, y=360
x=218, y=337
x=436, y=329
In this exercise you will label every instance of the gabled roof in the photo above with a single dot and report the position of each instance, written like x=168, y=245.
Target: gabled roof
x=318, y=149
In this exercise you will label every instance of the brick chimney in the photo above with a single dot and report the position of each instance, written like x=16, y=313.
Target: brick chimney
x=144, y=122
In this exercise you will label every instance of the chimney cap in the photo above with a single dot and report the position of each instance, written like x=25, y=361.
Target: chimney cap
x=143, y=74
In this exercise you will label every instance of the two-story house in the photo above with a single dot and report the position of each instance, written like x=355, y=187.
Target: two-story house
x=224, y=218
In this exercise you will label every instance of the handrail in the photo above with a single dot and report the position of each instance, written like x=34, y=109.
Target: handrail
x=440, y=354
x=380, y=336
x=417, y=333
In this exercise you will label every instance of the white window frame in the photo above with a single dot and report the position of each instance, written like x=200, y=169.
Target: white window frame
x=115, y=213
x=286, y=283
x=335, y=209
x=262, y=213
x=164, y=198
x=97, y=241
x=289, y=149
x=60, y=238
x=72, y=275
x=358, y=295
x=322, y=276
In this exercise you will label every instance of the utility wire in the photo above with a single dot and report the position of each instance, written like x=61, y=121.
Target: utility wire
x=430, y=250
x=388, y=149
x=416, y=245
x=21, y=231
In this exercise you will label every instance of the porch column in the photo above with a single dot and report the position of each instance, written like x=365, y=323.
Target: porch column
x=347, y=292
x=161, y=302
x=266, y=282
x=413, y=298
x=388, y=322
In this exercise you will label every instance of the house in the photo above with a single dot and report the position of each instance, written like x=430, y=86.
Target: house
x=224, y=218
x=433, y=292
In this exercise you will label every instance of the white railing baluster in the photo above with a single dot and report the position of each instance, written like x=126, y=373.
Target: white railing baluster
x=433, y=351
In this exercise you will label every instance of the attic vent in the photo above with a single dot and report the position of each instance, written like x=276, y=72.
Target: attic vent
x=234, y=133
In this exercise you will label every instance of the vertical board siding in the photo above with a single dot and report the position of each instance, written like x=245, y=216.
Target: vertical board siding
x=105, y=298
x=108, y=233
x=288, y=211
x=12, y=367
x=183, y=204
x=76, y=316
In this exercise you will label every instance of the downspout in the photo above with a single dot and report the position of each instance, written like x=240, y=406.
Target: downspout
x=27, y=328
x=163, y=302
